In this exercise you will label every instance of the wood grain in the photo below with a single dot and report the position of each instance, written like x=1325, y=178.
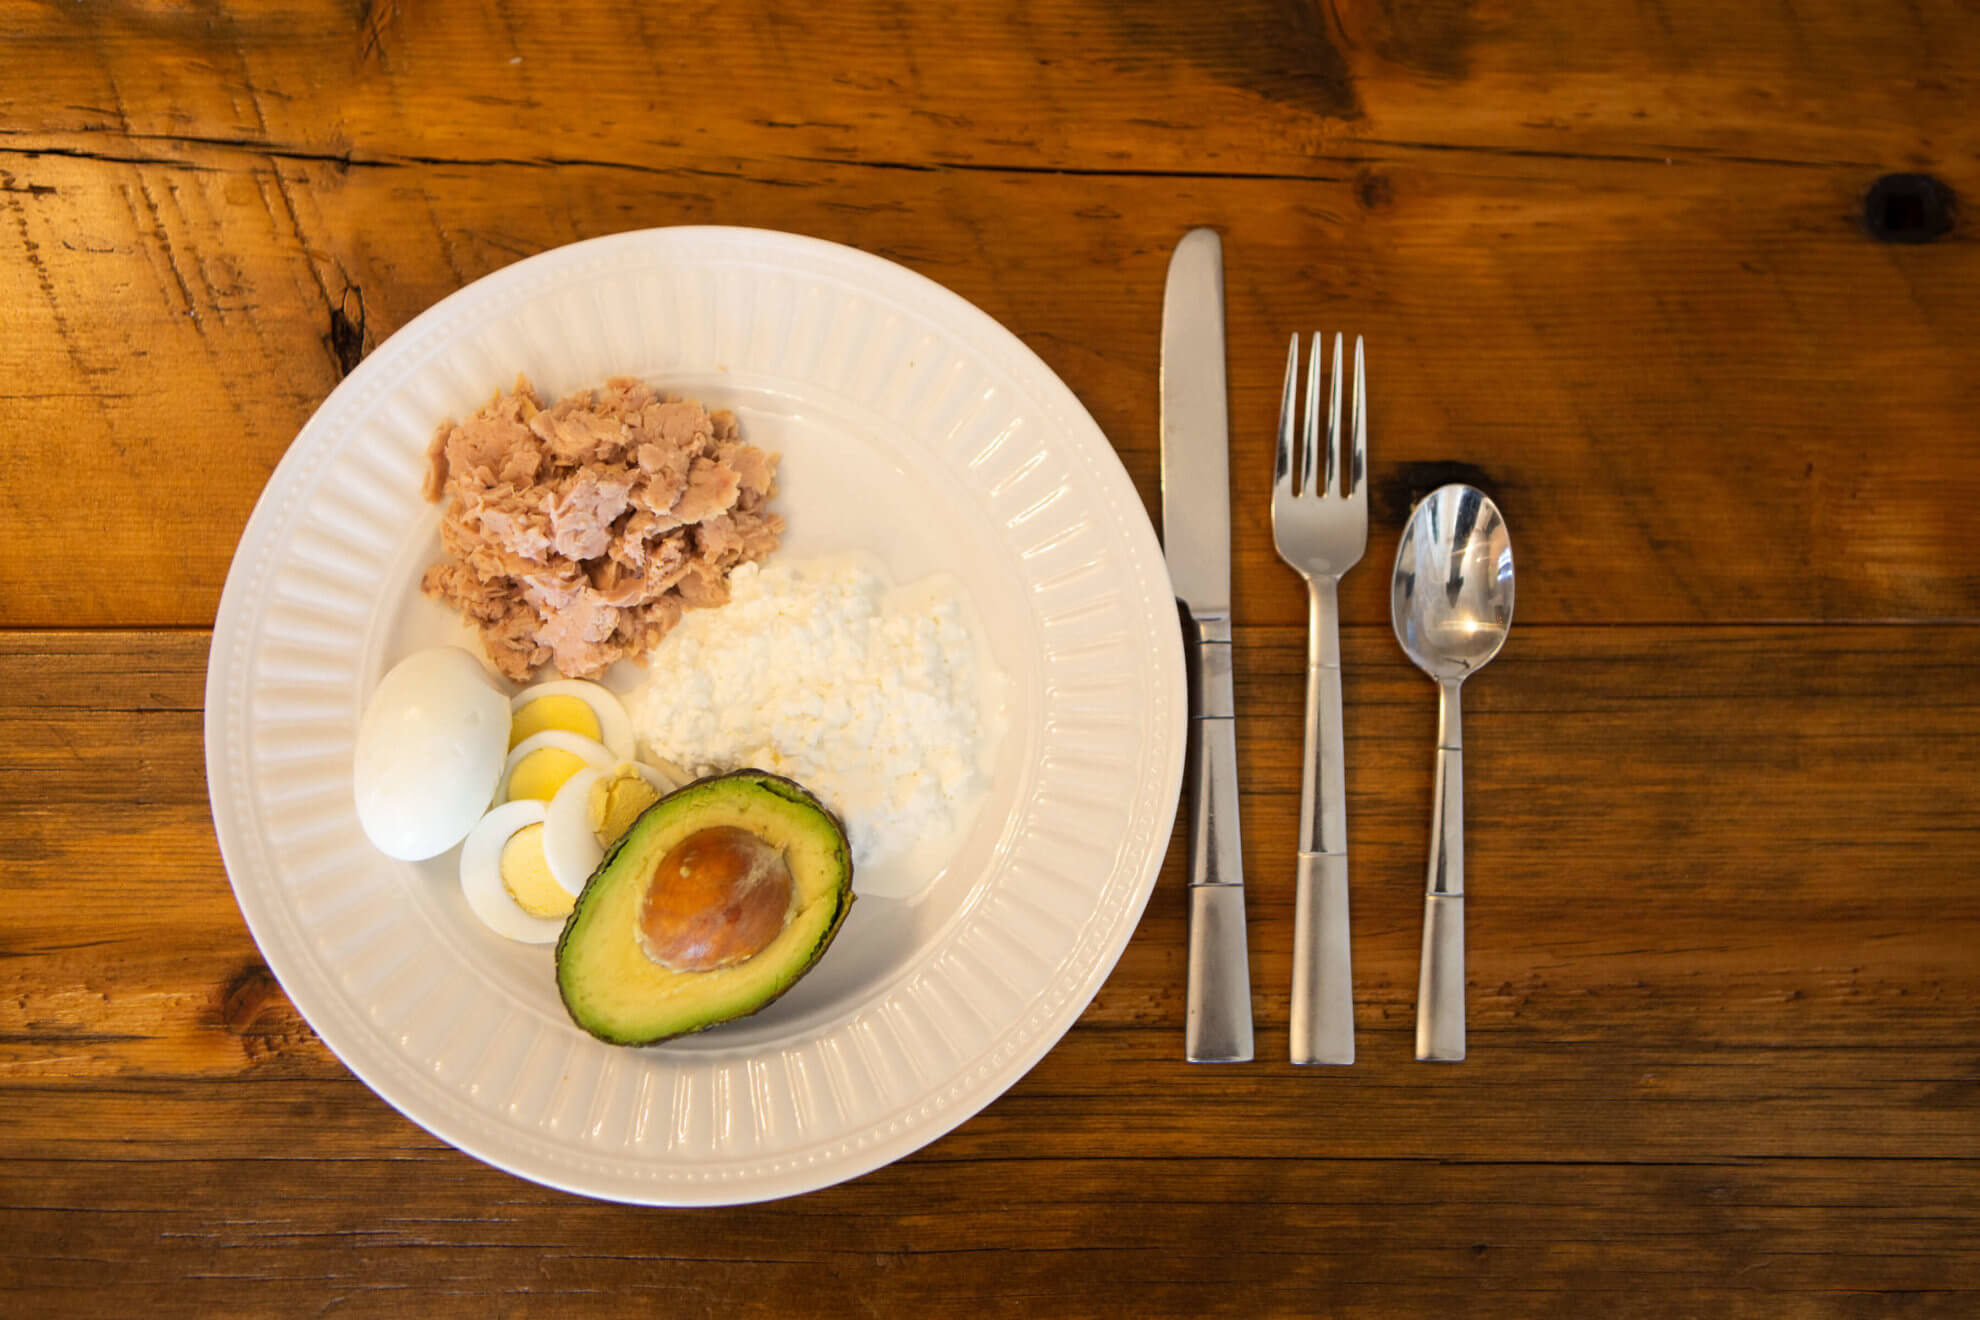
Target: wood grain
x=1213, y=1235
x=1610, y=263
x=1722, y=1010
x=1259, y=87
x=1588, y=328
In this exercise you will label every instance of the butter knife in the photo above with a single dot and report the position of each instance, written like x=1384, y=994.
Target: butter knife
x=1196, y=538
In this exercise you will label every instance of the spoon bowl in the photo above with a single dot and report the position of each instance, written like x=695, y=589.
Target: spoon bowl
x=1451, y=599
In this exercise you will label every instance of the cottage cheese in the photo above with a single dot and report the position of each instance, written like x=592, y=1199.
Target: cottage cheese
x=873, y=697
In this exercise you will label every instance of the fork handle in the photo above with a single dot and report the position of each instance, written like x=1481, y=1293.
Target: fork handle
x=1323, y=984
x=1323, y=778
x=1322, y=1017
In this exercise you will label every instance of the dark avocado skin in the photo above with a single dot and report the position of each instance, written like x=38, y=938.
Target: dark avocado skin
x=789, y=790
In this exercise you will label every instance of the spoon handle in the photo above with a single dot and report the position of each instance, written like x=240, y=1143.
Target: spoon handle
x=1440, y=984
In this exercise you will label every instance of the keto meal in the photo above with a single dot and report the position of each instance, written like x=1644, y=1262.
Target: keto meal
x=534, y=788
x=713, y=904
x=577, y=534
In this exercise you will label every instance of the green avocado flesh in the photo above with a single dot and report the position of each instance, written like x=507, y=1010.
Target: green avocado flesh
x=618, y=994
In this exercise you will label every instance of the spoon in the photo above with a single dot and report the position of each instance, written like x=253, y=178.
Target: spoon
x=1451, y=601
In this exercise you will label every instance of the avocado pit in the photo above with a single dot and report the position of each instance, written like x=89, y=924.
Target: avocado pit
x=719, y=897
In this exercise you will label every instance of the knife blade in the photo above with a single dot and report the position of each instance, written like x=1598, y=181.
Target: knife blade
x=1196, y=540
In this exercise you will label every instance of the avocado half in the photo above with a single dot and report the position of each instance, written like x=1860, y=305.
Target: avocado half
x=618, y=994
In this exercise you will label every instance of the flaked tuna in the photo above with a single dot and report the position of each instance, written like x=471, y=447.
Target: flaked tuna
x=577, y=533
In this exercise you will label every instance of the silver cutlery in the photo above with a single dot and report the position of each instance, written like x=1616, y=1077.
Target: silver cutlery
x=1451, y=601
x=1320, y=526
x=1196, y=540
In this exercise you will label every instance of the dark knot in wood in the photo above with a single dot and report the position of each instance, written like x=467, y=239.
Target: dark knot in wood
x=1908, y=208
x=346, y=336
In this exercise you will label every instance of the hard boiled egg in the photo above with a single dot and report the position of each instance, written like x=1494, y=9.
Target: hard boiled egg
x=540, y=764
x=504, y=879
x=429, y=753
x=576, y=706
x=591, y=811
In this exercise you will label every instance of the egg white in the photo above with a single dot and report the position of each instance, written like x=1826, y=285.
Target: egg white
x=614, y=727
x=429, y=753
x=570, y=838
x=481, y=875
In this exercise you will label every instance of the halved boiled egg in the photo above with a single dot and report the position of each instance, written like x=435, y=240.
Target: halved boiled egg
x=429, y=753
x=576, y=706
x=505, y=880
x=589, y=813
x=540, y=764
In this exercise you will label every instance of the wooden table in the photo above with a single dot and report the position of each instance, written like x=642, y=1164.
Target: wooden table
x=1612, y=263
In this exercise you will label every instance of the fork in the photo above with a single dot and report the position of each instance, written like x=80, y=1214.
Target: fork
x=1320, y=526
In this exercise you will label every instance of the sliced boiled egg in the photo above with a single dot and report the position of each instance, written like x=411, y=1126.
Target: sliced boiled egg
x=575, y=706
x=540, y=764
x=429, y=753
x=504, y=878
x=591, y=811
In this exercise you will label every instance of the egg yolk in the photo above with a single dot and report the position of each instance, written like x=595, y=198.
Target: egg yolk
x=553, y=712
x=540, y=774
x=720, y=896
x=616, y=801
x=526, y=875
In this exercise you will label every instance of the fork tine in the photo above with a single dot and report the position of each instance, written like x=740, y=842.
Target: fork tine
x=1358, y=474
x=1334, y=464
x=1282, y=460
x=1309, y=449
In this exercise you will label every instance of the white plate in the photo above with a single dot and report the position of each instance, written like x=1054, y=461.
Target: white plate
x=912, y=426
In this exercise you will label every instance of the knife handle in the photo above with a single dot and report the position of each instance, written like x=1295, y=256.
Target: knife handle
x=1217, y=1022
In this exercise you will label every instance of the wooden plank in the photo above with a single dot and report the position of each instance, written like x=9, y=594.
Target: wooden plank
x=1251, y=88
x=1580, y=336
x=1213, y=1234
x=1125, y=1094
